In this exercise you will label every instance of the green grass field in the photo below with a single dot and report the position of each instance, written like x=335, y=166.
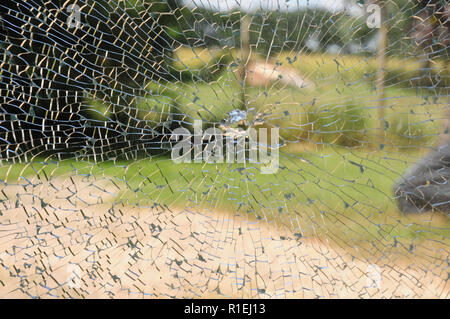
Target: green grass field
x=343, y=97
x=344, y=194
x=340, y=108
x=320, y=187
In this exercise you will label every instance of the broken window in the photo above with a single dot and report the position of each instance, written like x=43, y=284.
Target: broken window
x=252, y=149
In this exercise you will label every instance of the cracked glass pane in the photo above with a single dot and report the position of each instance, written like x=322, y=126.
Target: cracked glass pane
x=230, y=149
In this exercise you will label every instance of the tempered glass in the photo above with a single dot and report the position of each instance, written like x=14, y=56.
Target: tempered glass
x=219, y=148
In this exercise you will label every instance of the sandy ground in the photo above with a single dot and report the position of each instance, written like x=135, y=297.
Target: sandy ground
x=66, y=240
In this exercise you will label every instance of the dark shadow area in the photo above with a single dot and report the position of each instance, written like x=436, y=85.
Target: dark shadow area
x=425, y=186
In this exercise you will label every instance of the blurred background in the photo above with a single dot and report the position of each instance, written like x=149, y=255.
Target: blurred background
x=358, y=89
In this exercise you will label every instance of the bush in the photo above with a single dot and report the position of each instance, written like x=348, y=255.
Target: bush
x=405, y=130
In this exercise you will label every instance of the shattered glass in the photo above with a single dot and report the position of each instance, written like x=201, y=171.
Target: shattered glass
x=93, y=205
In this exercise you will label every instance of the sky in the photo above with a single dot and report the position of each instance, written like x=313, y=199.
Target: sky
x=284, y=5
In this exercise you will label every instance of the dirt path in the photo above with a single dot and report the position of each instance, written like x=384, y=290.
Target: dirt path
x=124, y=251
